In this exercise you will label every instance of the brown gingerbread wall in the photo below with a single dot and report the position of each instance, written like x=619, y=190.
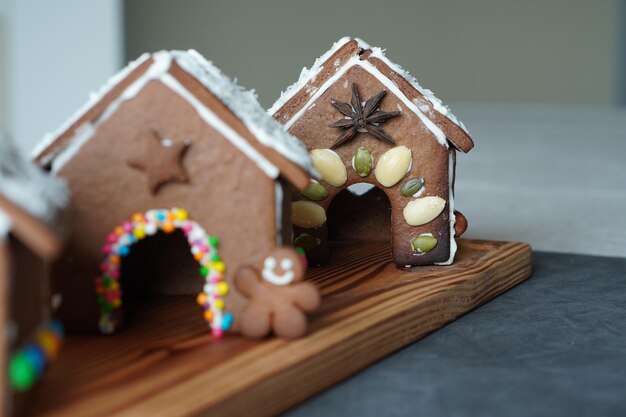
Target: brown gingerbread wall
x=227, y=194
x=430, y=161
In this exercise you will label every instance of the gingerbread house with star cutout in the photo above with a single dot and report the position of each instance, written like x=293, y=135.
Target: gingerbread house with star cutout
x=181, y=185
x=366, y=120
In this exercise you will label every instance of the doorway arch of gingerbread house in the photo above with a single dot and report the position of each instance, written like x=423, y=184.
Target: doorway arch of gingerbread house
x=204, y=248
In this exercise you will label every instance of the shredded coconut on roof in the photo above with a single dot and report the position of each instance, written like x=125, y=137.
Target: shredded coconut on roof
x=307, y=74
x=245, y=105
x=242, y=102
x=27, y=186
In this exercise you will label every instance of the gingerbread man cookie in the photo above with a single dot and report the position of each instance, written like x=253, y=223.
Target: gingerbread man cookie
x=278, y=297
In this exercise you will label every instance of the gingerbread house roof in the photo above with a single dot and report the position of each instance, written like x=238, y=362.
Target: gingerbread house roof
x=31, y=201
x=346, y=53
x=275, y=148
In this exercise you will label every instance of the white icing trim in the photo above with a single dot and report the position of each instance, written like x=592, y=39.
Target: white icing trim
x=159, y=71
x=278, y=206
x=243, y=103
x=5, y=224
x=452, y=219
x=434, y=129
x=307, y=74
x=94, y=98
x=212, y=119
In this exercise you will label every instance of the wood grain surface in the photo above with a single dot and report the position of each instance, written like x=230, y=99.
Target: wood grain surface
x=166, y=364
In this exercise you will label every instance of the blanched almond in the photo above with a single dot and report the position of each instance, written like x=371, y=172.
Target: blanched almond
x=423, y=210
x=330, y=166
x=307, y=214
x=393, y=166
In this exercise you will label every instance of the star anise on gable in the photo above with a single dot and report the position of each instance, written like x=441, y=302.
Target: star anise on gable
x=359, y=117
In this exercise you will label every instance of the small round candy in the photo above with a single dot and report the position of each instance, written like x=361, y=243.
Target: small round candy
x=208, y=315
x=217, y=333
x=219, y=266
x=227, y=321
x=201, y=299
x=21, y=372
x=123, y=251
x=219, y=304
x=114, y=259
x=36, y=356
x=214, y=241
x=168, y=227
x=198, y=256
x=222, y=288
x=138, y=218
x=139, y=232
x=204, y=271
x=49, y=343
x=57, y=327
x=181, y=214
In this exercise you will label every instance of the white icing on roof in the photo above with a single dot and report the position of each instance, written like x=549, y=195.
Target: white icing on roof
x=367, y=66
x=308, y=74
x=27, y=186
x=94, y=98
x=243, y=103
x=247, y=108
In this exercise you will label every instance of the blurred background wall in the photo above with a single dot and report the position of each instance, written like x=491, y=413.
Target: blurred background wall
x=555, y=51
x=484, y=51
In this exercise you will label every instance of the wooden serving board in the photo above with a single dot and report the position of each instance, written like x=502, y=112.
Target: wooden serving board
x=165, y=362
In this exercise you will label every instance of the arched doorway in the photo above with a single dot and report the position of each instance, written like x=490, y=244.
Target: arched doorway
x=361, y=212
x=204, y=248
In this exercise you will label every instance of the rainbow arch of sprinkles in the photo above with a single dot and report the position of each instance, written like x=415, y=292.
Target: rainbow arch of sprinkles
x=204, y=249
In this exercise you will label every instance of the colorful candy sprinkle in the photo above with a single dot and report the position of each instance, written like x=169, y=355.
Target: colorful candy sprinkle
x=27, y=363
x=203, y=247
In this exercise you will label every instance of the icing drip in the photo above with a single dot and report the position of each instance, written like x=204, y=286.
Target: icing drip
x=451, y=173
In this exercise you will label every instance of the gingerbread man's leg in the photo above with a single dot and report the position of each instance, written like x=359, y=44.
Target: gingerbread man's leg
x=289, y=322
x=255, y=320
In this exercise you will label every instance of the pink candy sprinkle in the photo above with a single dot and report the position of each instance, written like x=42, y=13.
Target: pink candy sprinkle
x=112, y=238
x=187, y=227
x=106, y=249
x=114, y=273
x=128, y=227
x=214, y=279
x=217, y=333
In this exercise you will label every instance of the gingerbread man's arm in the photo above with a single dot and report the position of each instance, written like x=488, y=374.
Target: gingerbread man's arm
x=247, y=281
x=306, y=296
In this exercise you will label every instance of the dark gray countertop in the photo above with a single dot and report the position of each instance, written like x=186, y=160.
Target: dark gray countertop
x=553, y=346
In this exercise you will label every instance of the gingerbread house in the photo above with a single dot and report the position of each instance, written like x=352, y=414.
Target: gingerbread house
x=180, y=183
x=366, y=120
x=30, y=205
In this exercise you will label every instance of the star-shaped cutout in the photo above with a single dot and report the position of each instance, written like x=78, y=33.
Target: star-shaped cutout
x=161, y=160
x=361, y=117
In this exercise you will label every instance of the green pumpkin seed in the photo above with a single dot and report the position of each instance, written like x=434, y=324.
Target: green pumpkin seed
x=315, y=191
x=306, y=242
x=412, y=187
x=423, y=243
x=363, y=162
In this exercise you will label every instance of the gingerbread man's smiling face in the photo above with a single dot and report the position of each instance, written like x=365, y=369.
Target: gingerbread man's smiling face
x=282, y=267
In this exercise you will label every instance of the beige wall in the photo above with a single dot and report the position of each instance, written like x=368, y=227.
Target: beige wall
x=556, y=51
